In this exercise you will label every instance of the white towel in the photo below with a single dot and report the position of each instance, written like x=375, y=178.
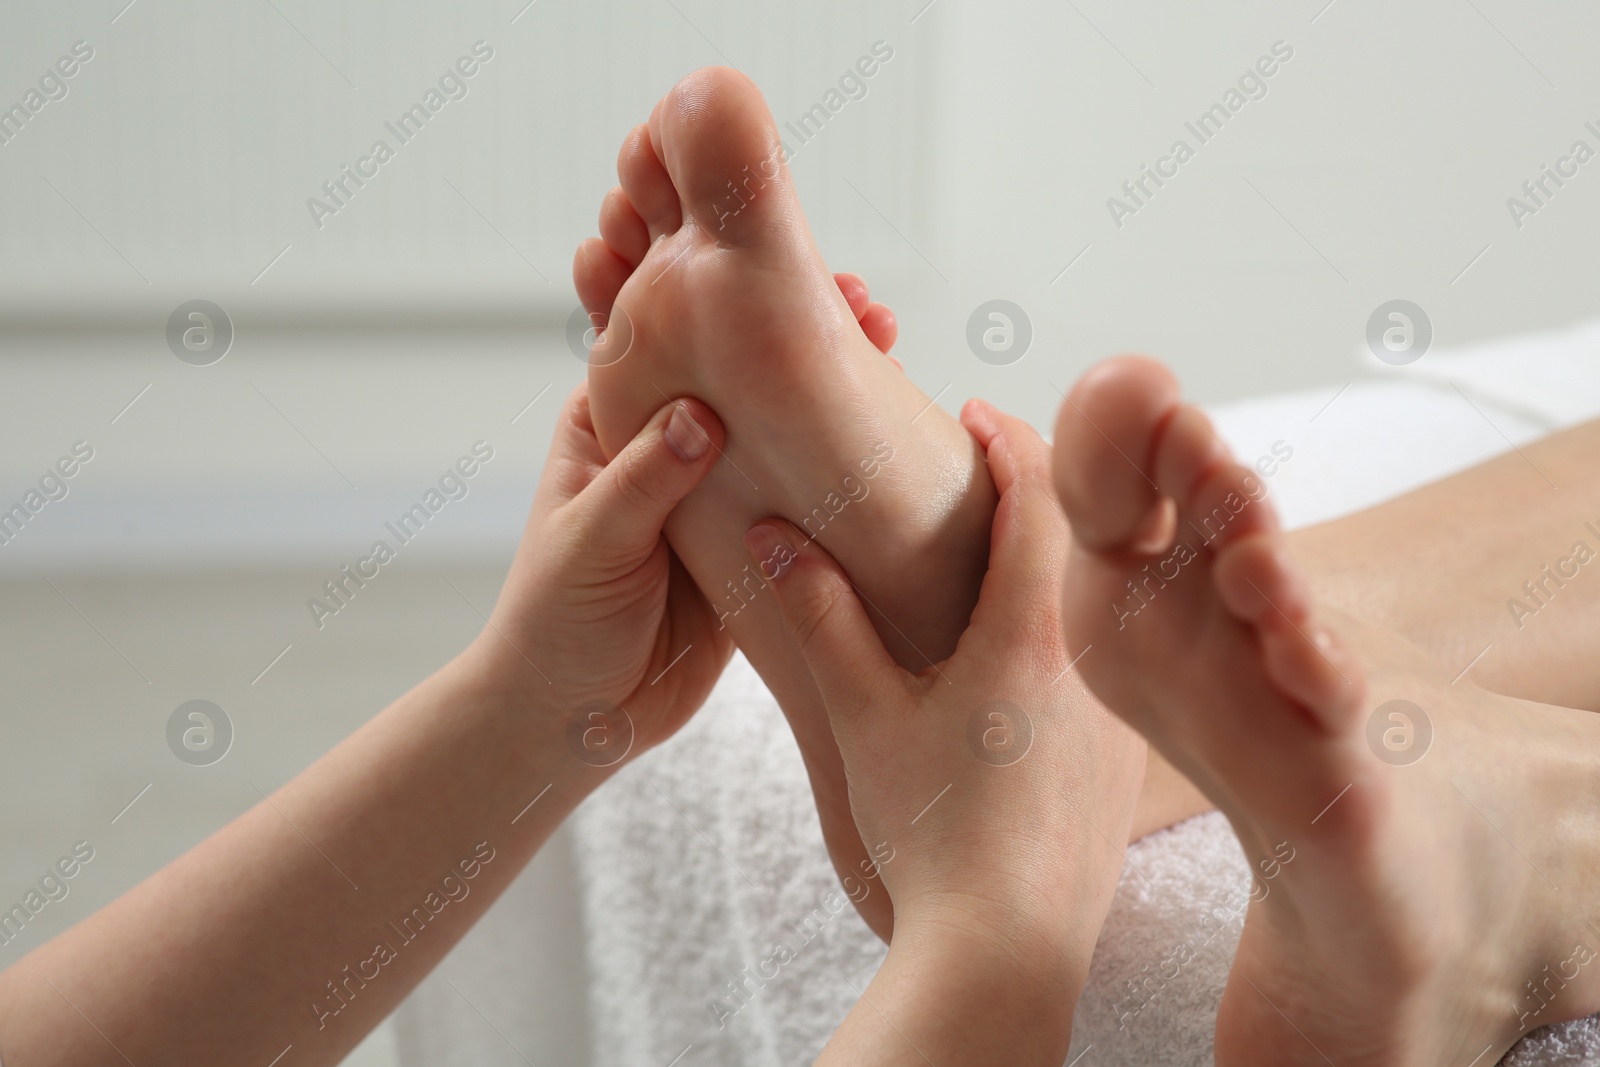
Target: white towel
x=696, y=860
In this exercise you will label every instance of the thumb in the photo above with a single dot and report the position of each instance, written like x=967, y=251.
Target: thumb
x=621, y=512
x=852, y=669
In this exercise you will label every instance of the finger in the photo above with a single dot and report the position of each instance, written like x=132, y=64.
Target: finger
x=1024, y=452
x=575, y=456
x=854, y=288
x=982, y=420
x=852, y=669
x=1030, y=538
x=879, y=324
x=621, y=512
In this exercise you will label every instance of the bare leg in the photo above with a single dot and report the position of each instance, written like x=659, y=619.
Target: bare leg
x=1439, y=565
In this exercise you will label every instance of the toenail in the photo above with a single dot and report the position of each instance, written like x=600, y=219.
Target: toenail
x=687, y=439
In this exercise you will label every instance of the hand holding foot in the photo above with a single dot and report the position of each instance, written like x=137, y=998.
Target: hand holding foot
x=713, y=287
x=990, y=788
x=430, y=809
x=595, y=587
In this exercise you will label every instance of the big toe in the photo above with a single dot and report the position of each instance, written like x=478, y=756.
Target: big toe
x=719, y=143
x=1104, y=445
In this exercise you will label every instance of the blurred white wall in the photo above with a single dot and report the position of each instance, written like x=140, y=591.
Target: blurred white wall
x=194, y=138
x=977, y=166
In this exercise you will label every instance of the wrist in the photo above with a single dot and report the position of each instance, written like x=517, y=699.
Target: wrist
x=506, y=694
x=1045, y=954
x=978, y=995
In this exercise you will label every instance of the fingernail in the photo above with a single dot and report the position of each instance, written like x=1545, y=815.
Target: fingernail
x=770, y=549
x=687, y=439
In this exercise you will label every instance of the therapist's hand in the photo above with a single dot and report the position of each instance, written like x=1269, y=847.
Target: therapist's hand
x=994, y=790
x=597, y=610
x=428, y=811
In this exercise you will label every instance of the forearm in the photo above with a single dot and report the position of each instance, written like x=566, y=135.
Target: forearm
x=944, y=997
x=308, y=918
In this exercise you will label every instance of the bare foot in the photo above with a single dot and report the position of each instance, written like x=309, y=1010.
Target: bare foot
x=1405, y=910
x=712, y=287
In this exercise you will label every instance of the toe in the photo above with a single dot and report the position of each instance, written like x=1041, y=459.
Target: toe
x=1261, y=586
x=875, y=319
x=720, y=145
x=1311, y=666
x=879, y=324
x=598, y=274
x=1105, y=437
x=1259, y=583
x=854, y=289
x=1227, y=503
x=647, y=185
x=1188, y=452
x=1217, y=499
x=621, y=228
